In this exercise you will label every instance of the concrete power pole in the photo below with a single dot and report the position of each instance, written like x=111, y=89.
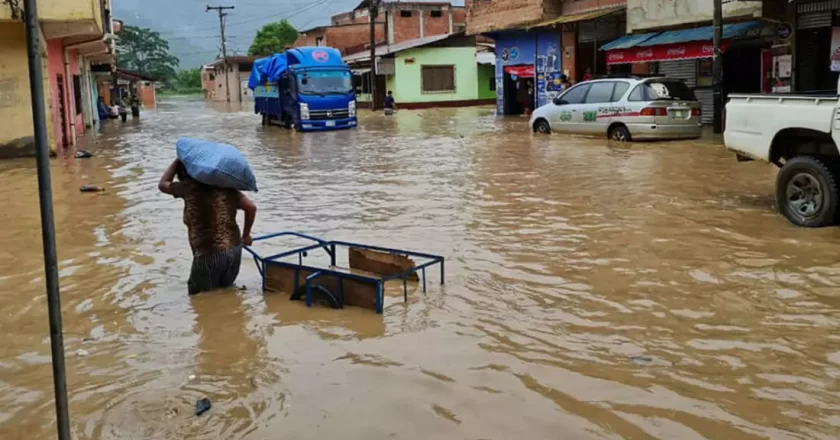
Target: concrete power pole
x=373, y=11
x=221, y=10
x=717, y=68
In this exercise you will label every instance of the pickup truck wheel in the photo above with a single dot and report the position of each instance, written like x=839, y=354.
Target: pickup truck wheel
x=806, y=192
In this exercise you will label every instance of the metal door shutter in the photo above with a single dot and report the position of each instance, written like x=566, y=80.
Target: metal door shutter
x=603, y=32
x=706, y=96
x=826, y=5
x=814, y=20
x=685, y=70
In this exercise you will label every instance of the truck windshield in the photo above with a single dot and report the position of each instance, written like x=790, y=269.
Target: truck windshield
x=325, y=82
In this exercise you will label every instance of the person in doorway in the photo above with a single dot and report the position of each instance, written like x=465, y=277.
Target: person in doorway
x=565, y=84
x=210, y=217
x=390, y=104
x=529, y=96
x=587, y=75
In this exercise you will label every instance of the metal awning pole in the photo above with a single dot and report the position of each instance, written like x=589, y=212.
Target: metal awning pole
x=39, y=121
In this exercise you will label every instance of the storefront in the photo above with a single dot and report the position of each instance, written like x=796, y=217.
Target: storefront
x=817, y=43
x=524, y=59
x=687, y=55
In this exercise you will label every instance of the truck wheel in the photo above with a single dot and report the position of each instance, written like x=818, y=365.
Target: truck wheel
x=806, y=192
x=287, y=123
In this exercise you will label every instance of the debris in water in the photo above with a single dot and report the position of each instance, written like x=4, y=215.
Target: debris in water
x=91, y=188
x=642, y=360
x=82, y=154
x=202, y=406
x=191, y=377
x=82, y=352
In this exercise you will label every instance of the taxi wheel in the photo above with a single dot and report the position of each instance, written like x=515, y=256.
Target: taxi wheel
x=619, y=133
x=542, y=127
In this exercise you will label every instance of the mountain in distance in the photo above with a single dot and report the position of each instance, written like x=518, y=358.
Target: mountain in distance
x=193, y=33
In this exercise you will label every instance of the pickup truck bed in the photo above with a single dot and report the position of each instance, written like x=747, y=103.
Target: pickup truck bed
x=799, y=134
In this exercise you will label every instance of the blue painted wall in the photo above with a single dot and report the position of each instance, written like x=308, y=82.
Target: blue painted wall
x=540, y=49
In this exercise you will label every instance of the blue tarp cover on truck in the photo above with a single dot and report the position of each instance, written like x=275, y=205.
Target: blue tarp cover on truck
x=269, y=69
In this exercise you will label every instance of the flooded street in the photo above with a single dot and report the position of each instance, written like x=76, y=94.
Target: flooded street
x=593, y=291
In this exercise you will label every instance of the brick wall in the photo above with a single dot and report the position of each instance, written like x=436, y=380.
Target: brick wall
x=569, y=43
x=344, y=37
x=494, y=15
x=578, y=6
x=310, y=38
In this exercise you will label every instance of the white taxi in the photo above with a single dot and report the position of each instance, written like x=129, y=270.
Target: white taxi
x=624, y=109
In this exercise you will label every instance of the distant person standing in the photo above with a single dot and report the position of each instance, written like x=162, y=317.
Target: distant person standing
x=390, y=104
x=135, y=105
x=123, y=109
x=588, y=74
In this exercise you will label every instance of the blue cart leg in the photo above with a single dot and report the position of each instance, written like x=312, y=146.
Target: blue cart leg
x=405, y=290
x=308, y=293
x=424, y=280
x=380, y=298
x=332, y=255
x=442, y=273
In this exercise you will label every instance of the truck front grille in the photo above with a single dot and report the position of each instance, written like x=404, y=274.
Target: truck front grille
x=320, y=115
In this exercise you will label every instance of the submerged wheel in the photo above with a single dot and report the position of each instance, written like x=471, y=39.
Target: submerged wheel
x=541, y=126
x=806, y=192
x=619, y=133
x=321, y=296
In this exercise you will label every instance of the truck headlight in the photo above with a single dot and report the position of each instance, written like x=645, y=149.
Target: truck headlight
x=304, y=111
x=351, y=108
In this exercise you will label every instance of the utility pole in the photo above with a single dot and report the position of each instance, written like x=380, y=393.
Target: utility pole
x=373, y=11
x=717, y=68
x=42, y=154
x=222, y=14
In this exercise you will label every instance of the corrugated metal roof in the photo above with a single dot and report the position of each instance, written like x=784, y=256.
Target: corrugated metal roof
x=700, y=34
x=574, y=18
x=628, y=41
x=487, y=58
x=398, y=47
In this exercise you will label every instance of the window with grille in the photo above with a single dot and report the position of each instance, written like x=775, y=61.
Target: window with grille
x=438, y=79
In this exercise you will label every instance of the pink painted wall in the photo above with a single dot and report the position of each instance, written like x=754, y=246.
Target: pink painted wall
x=55, y=67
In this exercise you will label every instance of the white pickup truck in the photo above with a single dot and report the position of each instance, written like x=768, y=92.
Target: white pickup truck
x=799, y=134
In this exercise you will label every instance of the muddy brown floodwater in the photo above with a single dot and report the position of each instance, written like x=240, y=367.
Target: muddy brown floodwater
x=593, y=291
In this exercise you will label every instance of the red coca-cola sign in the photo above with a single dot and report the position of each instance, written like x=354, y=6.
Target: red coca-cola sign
x=664, y=52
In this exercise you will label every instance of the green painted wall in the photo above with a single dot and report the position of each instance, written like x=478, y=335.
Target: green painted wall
x=407, y=83
x=486, y=77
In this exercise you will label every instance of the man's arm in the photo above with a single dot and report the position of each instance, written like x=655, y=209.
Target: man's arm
x=250, y=209
x=165, y=184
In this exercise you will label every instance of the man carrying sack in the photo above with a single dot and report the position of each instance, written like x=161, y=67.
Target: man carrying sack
x=210, y=177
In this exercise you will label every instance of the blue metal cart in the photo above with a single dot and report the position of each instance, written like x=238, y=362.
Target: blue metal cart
x=362, y=284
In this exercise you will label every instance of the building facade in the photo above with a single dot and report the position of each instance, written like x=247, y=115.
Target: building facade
x=234, y=81
x=208, y=82
x=76, y=35
x=538, y=41
x=675, y=40
x=437, y=71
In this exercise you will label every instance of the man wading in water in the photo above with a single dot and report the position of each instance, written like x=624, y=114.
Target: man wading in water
x=210, y=216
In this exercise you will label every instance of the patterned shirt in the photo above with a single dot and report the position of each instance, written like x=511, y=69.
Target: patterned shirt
x=210, y=216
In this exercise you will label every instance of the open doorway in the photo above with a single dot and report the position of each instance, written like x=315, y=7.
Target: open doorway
x=519, y=89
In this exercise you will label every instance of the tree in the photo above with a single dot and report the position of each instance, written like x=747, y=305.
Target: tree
x=273, y=38
x=143, y=50
x=189, y=79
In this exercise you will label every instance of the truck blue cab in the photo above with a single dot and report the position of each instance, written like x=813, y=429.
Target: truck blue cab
x=308, y=88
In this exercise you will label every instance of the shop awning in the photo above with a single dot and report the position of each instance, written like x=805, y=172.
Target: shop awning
x=628, y=41
x=663, y=52
x=672, y=45
x=730, y=31
x=520, y=71
x=574, y=18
